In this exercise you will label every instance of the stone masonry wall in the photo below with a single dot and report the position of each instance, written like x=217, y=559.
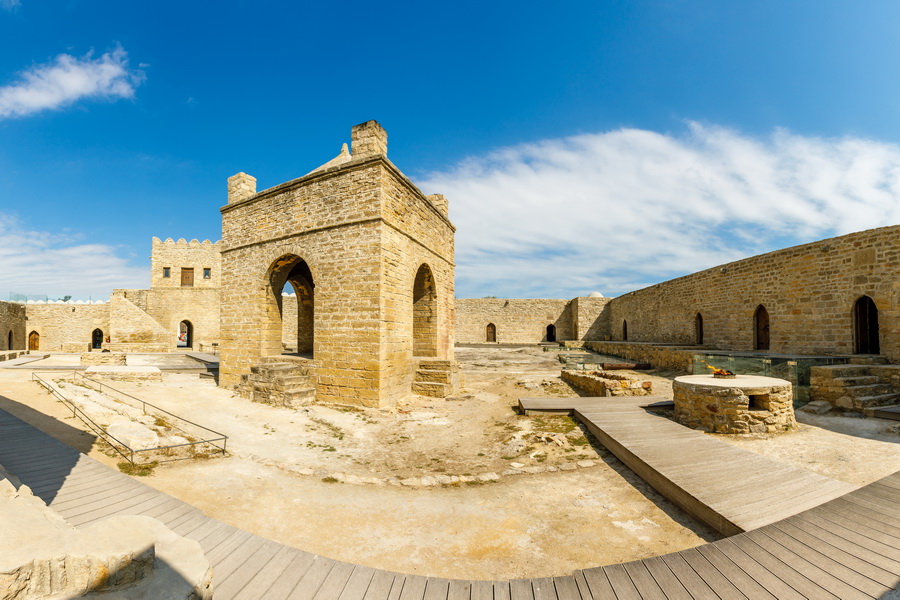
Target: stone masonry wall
x=182, y=254
x=12, y=321
x=659, y=357
x=809, y=292
x=518, y=321
x=67, y=327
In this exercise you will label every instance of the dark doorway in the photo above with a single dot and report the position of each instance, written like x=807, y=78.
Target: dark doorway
x=97, y=339
x=185, y=335
x=34, y=341
x=551, y=333
x=424, y=313
x=761, y=328
x=698, y=329
x=624, y=331
x=865, y=327
x=490, y=333
x=9, y=339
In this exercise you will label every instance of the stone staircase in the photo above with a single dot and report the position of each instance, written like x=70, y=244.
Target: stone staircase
x=864, y=383
x=281, y=381
x=435, y=378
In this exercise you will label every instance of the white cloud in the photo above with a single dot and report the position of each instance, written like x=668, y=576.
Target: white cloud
x=68, y=79
x=10, y=5
x=619, y=210
x=38, y=262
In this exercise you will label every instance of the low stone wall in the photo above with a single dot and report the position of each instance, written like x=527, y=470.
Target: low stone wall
x=12, y=354
x=679, y=358
x=103, y=358
x=747, y=404
x=607, y=384
x=137, y=347
x=124, y=373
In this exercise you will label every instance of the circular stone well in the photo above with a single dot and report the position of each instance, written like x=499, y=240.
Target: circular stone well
x=743, y=404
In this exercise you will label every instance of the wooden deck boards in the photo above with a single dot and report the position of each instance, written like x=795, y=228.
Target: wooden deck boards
x=847, y=548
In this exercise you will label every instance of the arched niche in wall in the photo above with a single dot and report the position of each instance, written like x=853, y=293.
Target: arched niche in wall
x=865, y=326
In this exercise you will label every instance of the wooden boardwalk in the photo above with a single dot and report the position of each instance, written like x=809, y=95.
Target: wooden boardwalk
x=847, y=548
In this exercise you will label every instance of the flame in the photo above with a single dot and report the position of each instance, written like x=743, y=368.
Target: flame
x=719, y=371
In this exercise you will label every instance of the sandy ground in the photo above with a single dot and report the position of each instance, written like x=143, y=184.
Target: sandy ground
x=278, y=480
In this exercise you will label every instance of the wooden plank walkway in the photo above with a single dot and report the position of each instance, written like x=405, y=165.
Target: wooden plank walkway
x=847, y=548
x=730, y=489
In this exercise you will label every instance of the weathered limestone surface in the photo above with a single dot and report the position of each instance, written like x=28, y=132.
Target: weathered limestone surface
x=600, y=383
x=516, y=321
x=660, y=357
x=103, y=358
x=134, y=557
x=12, y=326
x=118, y=373
x=364, y=235
x=65, y=327
x=855, y=387
x=745, y=404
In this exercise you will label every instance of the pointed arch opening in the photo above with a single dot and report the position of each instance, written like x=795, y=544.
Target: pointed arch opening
x=865, y=326
x=97, y=339
x=490, y=333
x=761, y=339
x=624, y=331
x=185, y=335
x=698, y=329
x=34, y=341
x=551, y=333
x=291, y=324
x=424, y=313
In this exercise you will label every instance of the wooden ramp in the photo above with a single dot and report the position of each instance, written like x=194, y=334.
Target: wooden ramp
x=847, y=548
x=731, y=489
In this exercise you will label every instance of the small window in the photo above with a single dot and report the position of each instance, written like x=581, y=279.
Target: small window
x=167, y=272
x=207, y=273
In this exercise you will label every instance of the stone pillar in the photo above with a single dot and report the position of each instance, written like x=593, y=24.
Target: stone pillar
x=240, y=186
x=368, y=139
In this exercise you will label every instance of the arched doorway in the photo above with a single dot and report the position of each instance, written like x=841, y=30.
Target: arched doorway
x=490, y=334
x=9, y=340
x=185, y=335
x=761, y=328
x=865, y=327
x=97, y=339
x=624, y=331
x=698, y=329
x=424, y=313
x=551, y=333
x=290, y=273
x=34, y=341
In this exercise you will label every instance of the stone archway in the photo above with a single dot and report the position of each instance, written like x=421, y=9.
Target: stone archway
x=761, y=328
x=97, y=338
x=551, y=332
x=290, y=270
x=865, y=327
x=185, y=335
x=424, y=313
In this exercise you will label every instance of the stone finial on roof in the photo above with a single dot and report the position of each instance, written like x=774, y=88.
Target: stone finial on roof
x=368, y=139
x=241, y=186
x=337, y=161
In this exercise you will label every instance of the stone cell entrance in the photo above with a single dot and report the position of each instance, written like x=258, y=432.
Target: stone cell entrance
x=97, y=339
x=34, y=341
x=761, y=328
x=370, y=259
x=865, y=327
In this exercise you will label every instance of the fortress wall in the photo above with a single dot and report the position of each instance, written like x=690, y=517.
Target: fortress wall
x=66, y=327
x=199, y=306
x=518, y=321
x=809, y=292
x=12, y=320
x=177, y=255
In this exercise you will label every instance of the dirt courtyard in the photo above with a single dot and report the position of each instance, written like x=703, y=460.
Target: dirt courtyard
x=462, y=487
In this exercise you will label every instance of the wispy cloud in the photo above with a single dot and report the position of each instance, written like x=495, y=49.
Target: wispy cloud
x=10, y=5
x=68, y=79
x=619, y=210
x=39, y=262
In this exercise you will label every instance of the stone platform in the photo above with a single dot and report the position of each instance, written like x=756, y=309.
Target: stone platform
x=743, y=404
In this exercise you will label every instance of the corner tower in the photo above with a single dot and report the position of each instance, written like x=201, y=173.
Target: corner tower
x=371, y=260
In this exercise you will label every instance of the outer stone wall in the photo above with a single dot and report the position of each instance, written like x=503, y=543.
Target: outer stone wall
x=809, y=292
x=12, y=321
x=517, y=321
x=180, y=255
x=66, y=327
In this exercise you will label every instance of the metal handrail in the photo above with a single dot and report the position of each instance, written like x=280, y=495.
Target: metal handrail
x=104, y=434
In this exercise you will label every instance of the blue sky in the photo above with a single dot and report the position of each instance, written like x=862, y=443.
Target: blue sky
x=583, y=146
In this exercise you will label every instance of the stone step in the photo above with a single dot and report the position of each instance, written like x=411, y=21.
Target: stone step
x=861, y=391
x=298, y=397
x=855, y=381
x=891, y=412
x=868, y=360
x=433, y=376
x=879, y=400
x=432, y=389
x=843, y=371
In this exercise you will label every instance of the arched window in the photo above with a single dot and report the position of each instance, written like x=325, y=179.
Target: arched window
x=185, y=335
x=34, y=341
x=490, y=334
x=97, y=338
x=698, y=329
x=624, y=331
x=761, y=328
x=865, y=327
x=551, y=333
x=424, y=313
